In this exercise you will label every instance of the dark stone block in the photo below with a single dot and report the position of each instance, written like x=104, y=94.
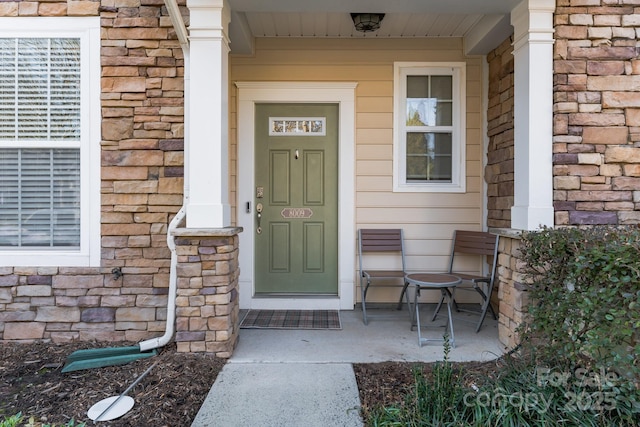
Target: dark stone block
x=593, y=218
x=98, y=315
x=171, y=144
x=190, y=336
x=564, y=206
x=39, y=280
x=173, y=171
x=565, y=159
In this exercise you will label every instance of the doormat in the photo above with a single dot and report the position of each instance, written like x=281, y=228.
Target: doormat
x=291, y=319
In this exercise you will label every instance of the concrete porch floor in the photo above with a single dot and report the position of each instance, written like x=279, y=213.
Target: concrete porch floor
x=387, y=338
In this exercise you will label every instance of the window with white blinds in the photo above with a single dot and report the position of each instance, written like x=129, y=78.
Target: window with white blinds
x=39, y=197
x=49, y=141
x=39, y=102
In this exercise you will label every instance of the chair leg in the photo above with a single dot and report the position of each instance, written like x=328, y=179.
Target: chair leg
x=363, y=291
x=483, y=314
x=486, y=306
x=407, y=299
x=402, y=295
x=484, y=298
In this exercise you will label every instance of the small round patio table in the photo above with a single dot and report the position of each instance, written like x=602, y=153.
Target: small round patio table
x=446, y=283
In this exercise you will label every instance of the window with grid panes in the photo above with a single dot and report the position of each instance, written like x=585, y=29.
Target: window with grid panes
x=45, y=141
x=429, y=128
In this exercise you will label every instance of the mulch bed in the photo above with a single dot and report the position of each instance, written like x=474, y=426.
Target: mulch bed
x=171, y=394
x=387, y=383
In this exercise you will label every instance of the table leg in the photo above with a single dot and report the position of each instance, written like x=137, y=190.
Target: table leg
x=450, y=319
x=413, y=311
x=416, y=320
x=420, y=340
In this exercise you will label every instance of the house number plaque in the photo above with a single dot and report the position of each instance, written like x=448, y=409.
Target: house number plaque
x=294, y=213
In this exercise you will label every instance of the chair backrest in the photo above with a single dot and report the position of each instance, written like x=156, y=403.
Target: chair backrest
x=381, y=240
x=476, y=243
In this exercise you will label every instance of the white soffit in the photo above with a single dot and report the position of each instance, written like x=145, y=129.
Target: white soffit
x=483, y=24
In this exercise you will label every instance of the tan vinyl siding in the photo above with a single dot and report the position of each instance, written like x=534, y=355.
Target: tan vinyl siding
x=427, y=218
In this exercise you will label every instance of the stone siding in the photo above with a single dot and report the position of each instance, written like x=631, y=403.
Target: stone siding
x=142, y=107
x=499, y=169
x=512, y=293
x=207, y=309
x=596, y=112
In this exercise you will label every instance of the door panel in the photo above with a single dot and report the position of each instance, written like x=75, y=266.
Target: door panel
x=314, y=178
x=296, y=184
x=313, y=247
x=280, y=178
x=280, y=256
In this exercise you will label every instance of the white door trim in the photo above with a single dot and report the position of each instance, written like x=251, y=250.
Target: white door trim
x=343, y=94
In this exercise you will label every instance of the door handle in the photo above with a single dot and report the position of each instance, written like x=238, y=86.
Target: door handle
x=259, y=217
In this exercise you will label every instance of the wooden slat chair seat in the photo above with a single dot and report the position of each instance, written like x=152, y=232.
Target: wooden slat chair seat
x=380, y=241
x=481, y=244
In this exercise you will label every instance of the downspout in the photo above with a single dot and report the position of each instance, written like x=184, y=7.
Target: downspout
x=183, y=38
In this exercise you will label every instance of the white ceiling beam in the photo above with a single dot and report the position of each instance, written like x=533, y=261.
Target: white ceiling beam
x=487, y=34
x=241, y=40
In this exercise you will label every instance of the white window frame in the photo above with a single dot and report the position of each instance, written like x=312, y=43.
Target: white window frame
x=458, y=167
x=87, y=29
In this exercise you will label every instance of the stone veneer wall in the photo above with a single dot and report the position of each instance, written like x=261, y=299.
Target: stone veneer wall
x=207, y=309
x=142, y=183
x=499, y=169
x=597, y=112
x=512, y=294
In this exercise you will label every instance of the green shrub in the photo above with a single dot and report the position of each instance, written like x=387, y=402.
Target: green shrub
x=12, y=421
x=585, y=299
x=17, y=420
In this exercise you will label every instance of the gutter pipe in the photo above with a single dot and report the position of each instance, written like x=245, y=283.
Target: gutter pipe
x=95, y=358
x=183, y=38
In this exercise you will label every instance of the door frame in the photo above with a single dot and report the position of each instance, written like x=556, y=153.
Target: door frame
x=343, y=94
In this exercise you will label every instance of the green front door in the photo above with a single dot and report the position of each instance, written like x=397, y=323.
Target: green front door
x=296, y=199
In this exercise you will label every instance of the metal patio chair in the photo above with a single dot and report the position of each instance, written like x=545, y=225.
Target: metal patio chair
x=381, y=241
x=482, y=244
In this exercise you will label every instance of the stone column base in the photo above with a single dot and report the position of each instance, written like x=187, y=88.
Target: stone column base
x=207, y=307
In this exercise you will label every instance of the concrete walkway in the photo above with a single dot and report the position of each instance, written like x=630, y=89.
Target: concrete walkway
x=305, y=377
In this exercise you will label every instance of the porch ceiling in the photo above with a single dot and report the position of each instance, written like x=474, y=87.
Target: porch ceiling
x=483, y=24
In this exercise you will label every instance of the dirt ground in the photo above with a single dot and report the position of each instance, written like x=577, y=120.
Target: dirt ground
x=171, y=394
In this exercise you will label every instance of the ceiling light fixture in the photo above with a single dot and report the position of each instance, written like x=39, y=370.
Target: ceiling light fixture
x=367, y=22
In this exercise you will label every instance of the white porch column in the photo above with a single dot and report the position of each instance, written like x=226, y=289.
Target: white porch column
x=533, y=109
x=206, y=161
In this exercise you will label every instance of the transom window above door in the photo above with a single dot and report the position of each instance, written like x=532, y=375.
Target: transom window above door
x=429, y=134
